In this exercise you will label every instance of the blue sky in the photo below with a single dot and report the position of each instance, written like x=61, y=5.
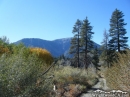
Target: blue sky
x=54, y=19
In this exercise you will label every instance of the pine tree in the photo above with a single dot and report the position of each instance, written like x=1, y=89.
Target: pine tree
x=86, y=39
x=75, y=42
x=95, y=58
x=117, y=32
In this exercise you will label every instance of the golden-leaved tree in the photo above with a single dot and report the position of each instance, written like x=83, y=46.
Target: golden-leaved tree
x=43, y=54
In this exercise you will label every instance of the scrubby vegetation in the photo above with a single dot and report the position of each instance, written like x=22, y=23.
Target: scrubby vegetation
x=22, y=74
x=72, y=81
x=19, y=73
x=71, y=75
x=118, y=76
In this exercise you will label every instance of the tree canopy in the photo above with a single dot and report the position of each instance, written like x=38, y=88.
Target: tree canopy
x=117, y=32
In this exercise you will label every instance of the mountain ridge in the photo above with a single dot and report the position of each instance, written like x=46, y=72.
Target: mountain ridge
x=56, y=47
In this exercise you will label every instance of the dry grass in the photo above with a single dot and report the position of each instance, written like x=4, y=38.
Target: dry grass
x=70, y=75
x=118, y=76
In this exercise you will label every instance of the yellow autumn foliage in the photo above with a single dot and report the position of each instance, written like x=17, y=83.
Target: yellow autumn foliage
x=43, y=54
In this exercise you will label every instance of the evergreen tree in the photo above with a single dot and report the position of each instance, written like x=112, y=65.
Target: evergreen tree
x=95, y=58
x=75, y=42
x=117, y=32
x=86, y=39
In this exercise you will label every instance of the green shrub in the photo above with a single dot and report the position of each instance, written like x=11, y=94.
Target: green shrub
x=19, y=73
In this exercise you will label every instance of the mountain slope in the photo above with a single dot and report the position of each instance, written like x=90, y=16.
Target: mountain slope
x=56, y=47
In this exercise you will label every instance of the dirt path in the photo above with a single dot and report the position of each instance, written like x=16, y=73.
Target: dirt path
x=100, y=85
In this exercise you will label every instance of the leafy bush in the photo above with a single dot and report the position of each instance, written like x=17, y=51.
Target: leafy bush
x=4, y=50
x=43, y=54
x=118, y=76
x=19, y=74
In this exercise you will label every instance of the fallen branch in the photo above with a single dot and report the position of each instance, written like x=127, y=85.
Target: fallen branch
x=48, y=69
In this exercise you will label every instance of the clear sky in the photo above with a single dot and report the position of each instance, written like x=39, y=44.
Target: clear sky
x=54, y=19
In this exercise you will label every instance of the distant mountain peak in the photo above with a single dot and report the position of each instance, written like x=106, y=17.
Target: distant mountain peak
x=56, y=47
